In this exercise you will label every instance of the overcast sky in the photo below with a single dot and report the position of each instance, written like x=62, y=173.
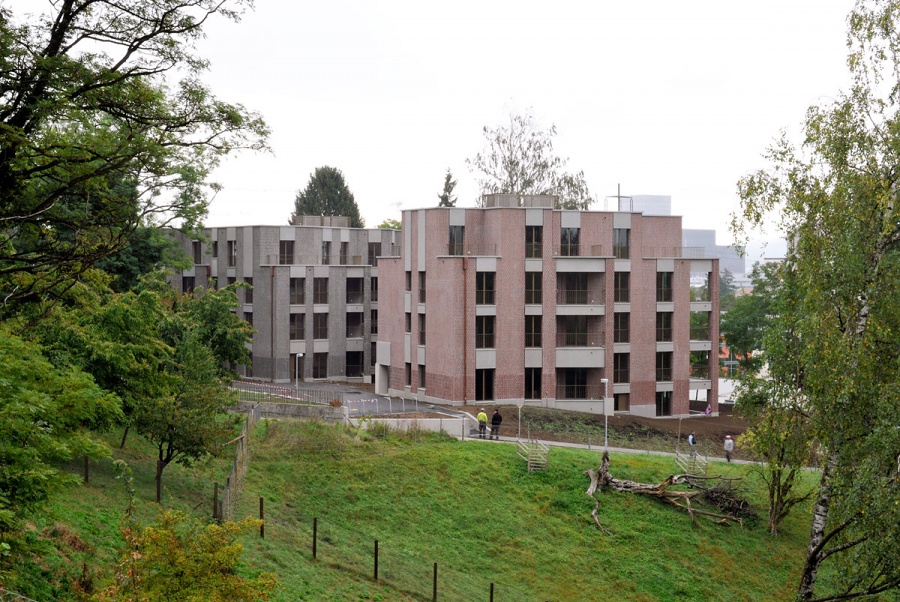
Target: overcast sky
x=670, y=97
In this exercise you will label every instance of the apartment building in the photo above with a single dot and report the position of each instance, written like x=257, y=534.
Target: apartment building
x=518, y=302
x=314, y=296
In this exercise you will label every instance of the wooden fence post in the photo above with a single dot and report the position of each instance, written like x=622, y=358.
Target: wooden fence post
x=262, y=517
x=315, y=534
x=492, y=592
x=434, y=587
x=376, y=560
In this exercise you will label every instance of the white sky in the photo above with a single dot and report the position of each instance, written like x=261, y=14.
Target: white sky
x=671, y=97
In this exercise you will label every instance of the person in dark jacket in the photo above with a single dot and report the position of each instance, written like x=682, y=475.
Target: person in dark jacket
x=496, y=419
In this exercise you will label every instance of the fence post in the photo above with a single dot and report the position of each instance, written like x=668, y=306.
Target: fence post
x=376, y=560
x=434, y=587
x=315, y=533
x=262, y=517
x=492, y=592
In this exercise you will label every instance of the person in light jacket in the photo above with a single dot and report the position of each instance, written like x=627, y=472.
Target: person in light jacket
x=496, y=419
x=482, y=423
x=729, y=447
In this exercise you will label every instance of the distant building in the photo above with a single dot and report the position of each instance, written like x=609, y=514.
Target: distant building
x=314, y=297
x=529, y=304
x=729, y=257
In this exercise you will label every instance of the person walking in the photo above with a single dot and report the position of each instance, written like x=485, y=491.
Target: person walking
x=692, y=441
x=729, y=447
x=496, y=419
x=482, y=423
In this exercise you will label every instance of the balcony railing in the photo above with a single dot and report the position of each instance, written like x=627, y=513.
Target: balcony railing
x=473, y=249
x=679, y=252
x=579, y=250
x=699, y=333
x=579, y=392
x=700, y=371
x=580, y=296
x=355, y=297
x=580, y=339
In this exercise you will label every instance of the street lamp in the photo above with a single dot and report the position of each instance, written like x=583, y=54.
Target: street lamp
x=605, y=382
x=297, y=371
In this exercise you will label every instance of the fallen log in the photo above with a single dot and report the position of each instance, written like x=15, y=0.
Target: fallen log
x=662, y=491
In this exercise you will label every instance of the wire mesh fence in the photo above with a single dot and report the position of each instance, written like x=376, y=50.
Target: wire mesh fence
x=239, y=467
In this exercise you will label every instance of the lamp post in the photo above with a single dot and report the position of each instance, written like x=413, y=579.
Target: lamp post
x=297, y=372
x=605, y=382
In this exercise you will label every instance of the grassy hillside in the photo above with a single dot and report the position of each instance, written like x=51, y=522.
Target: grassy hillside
x=471, y=507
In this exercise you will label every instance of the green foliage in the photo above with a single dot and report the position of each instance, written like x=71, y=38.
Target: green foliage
x=519, y=160
x=392, y=224
x=727, y=289
x=46, y=417
x=147, y=250
x=447, y=198
x=744, y=324
x=835, y=198
x=98, y=135
x=327, y=193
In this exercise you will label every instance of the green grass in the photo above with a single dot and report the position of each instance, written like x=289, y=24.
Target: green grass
x=471, y=507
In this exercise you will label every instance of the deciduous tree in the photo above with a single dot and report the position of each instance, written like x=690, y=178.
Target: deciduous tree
x=519, y=159
x=327, y=193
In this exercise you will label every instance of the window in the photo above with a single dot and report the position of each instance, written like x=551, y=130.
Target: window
x=345, y=249
x=568, y=242
x=664, y=326
x=285, y=252
x=457, y=238
x=298, y=291
x=623, y=402
x=664, y=403
x=421, y=329
x=196, y=247
x=408, y=374
x=297, y=329
x=421, y=287
x=374, y=327
x=571, y=331
x=248, y=317
x=373, y=293
x=187, y=284
x=421, y=376
x=572, y=288
x=663, y=287
x=534, y=284
x=374, y=252
x=355, y=293
x=620, y=367
x=320, y=290
x=408, y=322
x=572, y=383
x=621, y=331
x=215, y=248
x=320, y=365
x=232, y=253
x=248, y=292
x=355, y=325
x=353, y=360
x=230, y=280
x=484, y=384
x=326, y=252
x=484, y=332
x=622, y=287
x=533, y=325
x=664, y=366
x=320, y=326
x=408, y=281
x=620, y=243
x=484, y=288
x=534, y=236
x=532, y=383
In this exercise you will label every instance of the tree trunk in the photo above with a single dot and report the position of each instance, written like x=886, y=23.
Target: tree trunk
x=816, y=534
x=124, y=437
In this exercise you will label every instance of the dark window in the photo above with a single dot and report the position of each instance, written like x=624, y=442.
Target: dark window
x=320, y=290
x=298, y=333
x=408, y=281
x=196, y=247
x=230, y=280
x=421, y=376
x=408, y=374
x=408, y=322
x=573, y=384
x=534, y=284
x=320, y=365
x=534, y=236
x=248, y=292
x=484, y=384
x=664, y=326
x=187, y=284
x=664, y=287
x=572, y=288
x=664, y=366
x=623, y=402
x=355, y=325
x=232, y=253
x=298, y=291
x=421, y=287
x=456, y=240
x=248, y=317
x=620, y=367
x=621, y=331
x=326, y=252
x=320, y=326
x=572, y=331
x=620, y=243
x=374, y=252
x=533, y=326
x=373, y=293
x=355, y=292
x=354, y=363
x=286, y=252
x=374, y=327
x=532, y=383
x=484, y=332
x=622, y=287
x=484, y=288
x=345, y=249
x=568, y=242
x=664, y=403
x=421, y=329
x=215, y=248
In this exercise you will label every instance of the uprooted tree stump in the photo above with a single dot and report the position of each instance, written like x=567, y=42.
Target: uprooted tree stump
x=663, y=492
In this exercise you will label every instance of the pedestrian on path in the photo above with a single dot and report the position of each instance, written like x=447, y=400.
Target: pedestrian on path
x=482, y=423
x=729, y=447
x=496, y=419
x=692, y=441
